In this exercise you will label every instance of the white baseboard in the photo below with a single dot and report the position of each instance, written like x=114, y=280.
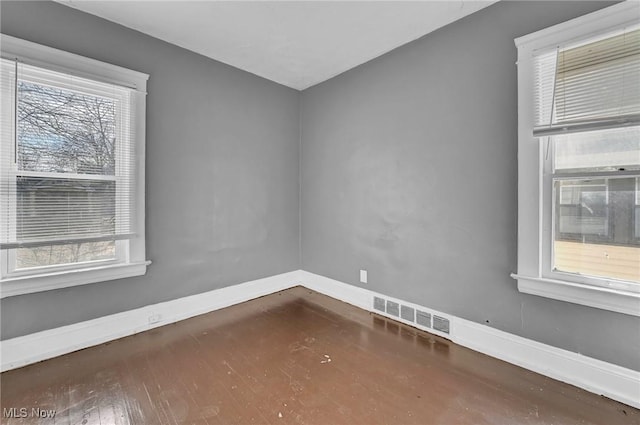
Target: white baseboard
x=596, y=376
x=32, y=348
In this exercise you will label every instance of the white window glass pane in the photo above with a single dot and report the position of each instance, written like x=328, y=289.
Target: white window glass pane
x=65, y=131
x=596, y=228
x=582, y=208
x=602, y=150
x=64, y=208
x=55, y=255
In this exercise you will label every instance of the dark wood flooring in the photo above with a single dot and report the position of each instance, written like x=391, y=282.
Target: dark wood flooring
x=295, y=357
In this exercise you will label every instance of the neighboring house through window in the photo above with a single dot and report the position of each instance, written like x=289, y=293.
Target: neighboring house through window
x=579, y=160
x=71, y=169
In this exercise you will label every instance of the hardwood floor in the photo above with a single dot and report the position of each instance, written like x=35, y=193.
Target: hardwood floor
x=295, y=357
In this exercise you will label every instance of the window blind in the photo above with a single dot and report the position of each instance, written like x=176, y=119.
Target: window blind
x=591, y=86
x=67, y=158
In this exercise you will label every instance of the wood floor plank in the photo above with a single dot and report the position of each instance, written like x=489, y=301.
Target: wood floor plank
x=295, y=357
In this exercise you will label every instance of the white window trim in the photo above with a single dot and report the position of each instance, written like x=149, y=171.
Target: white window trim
x=69, y=63
x=531, y=201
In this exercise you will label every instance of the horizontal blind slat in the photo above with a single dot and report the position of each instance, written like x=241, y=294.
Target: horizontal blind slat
x=597, y=82
x=71, y=173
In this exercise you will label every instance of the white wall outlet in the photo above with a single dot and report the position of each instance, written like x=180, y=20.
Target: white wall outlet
x=363, y=276
x=155, y=318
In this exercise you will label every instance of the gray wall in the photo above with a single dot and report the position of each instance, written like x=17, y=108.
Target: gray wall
x=222, y=171
x=409, y=170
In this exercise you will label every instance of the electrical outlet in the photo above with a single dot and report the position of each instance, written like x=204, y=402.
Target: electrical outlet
x=155, y=318
x=363, y=276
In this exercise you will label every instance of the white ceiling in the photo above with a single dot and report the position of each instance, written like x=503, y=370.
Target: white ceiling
x=295, y=43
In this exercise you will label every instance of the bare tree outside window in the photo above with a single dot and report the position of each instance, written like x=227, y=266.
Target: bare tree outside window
x=65, y=138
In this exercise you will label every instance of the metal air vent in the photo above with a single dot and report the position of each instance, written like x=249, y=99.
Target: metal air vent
x=441, y=324
x=423, y=319
x=407, y=313
x=378, y=304
x=393, y=308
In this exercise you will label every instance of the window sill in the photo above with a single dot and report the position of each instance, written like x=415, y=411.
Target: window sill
x=10, y=287
x=604, y=298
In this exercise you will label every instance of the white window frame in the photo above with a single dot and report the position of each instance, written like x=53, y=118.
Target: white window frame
x=131, y=257
x=535, y=194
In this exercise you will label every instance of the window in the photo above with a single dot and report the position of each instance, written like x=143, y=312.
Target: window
x=71, y=169
x=579, y=160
